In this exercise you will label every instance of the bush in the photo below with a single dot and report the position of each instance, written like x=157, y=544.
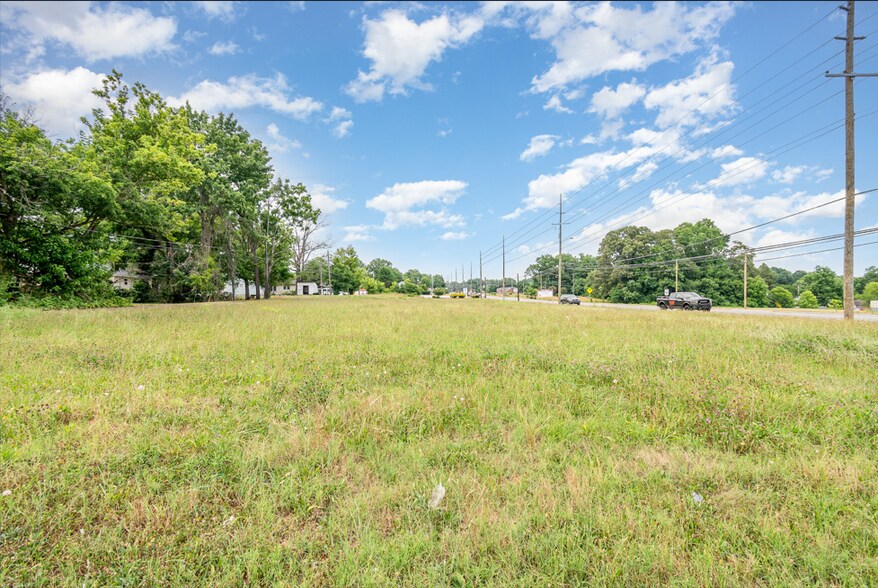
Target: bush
x=440, y=291
x=457, y=295
x=780, y=297
x=807, y=300
x=835, y=304
x=58, y=303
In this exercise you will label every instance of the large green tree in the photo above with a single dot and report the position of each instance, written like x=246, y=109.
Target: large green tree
x=347, y=270
x=823, y=283
x=54, y=201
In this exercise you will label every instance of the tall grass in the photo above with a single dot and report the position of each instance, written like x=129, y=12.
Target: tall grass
x=297, y=442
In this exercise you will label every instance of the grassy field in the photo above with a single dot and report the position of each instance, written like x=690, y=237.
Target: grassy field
x=297, y=442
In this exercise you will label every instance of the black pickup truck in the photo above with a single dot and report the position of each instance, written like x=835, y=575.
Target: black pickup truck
x=684, y=300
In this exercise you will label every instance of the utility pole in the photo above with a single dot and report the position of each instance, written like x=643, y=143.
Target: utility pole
x=849, y=76
x=745, y=279
x=329, y=268
x=560, y=225
x=470, y=274
x=481, y=278
x=517, y=289
x=503, y=283
x=676, y=275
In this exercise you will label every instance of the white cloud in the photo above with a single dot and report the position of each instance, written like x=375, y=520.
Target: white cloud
x=791, y=173
x=191, y=36
x=588, y=140
x=322, y=198
x=280, y=143
x=341, y=117
x=358, y=233
x=398, y=203
x=703, y=95
x=94, y=32
x=539, y=145
x=610, y=103
x=726, y=151
x=246, y=92
x=543, y=191
x=343, y=128
x=780, y=205
x=224, y=10
x=443, y=133
x=597, y=38
x=224, y=48
x=743, y=170
x=455, y=236
x=401, y=50
x=779, y=236
x=58, y=98
x=554, y=103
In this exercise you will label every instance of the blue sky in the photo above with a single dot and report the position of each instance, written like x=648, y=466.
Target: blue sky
x=428, y=131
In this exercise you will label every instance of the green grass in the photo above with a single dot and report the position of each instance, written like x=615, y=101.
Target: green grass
x=297, y=442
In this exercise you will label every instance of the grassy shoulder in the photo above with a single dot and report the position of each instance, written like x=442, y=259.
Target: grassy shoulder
x=297, y=442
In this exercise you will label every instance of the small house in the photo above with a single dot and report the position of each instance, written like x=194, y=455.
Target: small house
x=124, y=279
x=307, y=289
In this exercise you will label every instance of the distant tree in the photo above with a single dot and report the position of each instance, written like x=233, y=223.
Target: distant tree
x=870, y=291
x=807, y=300
x=823, y=283
x=768, y=274
x=371, y=285
x=347, y=270
x=871, y=275
x=307, y=241
x=383, y=271
x=757, y=292
x=780, y=297
x=835, y=304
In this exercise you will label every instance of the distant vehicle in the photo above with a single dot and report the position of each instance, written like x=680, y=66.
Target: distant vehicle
x=569, y=299
x=684, y=300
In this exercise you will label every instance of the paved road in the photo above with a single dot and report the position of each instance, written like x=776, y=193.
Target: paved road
x=816, y=314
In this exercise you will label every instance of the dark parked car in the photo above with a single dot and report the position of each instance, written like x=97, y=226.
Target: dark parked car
x=684, y=300
x=569, y=299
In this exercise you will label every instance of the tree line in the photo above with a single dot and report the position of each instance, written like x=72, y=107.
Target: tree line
x=636, y=264
x=189, y=199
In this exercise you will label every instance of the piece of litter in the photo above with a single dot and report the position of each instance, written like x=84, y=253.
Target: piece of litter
x=140, y=387
x=229, y=521
x=697, y=498
x=438, y=495
x=7, y=492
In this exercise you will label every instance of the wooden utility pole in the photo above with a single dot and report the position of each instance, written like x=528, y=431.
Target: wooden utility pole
x=676, y=275
x=503, y=283
x=481, y=278
x=560, y=226
x=849, y=76
x=745, y=279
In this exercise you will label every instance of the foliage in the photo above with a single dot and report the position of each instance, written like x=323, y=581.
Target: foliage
x=440, y=291
x=871, y=275
x=757, y=291
x=870, y=291
x=823, y=283
x=371, y=285
x=807, y=300
x=835, y=304
x=347, y=270
x=383, y=271
x=54, y=201
x=780, y=297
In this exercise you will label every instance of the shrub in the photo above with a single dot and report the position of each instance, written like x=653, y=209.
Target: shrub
x=780, y=297
x=807, y=300
x=440, y=291
x=457, y=295
x=835, y=304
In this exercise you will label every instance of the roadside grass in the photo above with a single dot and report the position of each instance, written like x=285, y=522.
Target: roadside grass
x=297, y=442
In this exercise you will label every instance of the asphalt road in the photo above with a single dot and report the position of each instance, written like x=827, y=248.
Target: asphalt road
x=781, y=312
